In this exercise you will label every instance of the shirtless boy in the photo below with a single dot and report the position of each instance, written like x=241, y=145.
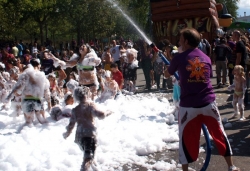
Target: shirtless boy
x=83, y=114
x=34, y=86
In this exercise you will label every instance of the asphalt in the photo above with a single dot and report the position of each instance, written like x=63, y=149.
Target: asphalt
x=237, y=131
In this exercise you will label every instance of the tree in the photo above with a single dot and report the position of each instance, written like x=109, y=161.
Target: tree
x=231, y=6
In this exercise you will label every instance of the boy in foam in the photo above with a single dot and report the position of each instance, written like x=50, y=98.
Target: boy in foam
x=34, y=86
x=16, y=102
x=4, y=87
x=58, y=112
x=83, y=114
x=110, y=88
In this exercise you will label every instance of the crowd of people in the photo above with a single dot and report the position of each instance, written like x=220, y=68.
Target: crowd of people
x=31, y=75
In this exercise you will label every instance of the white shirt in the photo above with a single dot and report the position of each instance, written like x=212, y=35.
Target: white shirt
x=115, y=52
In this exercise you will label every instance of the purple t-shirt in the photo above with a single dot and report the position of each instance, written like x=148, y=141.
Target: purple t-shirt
x=194, y=69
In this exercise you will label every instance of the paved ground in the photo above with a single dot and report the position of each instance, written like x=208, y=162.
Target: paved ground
x=238, y=133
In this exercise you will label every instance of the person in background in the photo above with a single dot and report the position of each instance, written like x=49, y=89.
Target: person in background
x=130, y=71
x=158, y=69
x=34, y=50
x=197, y=101
x=117, y=75
x=5, y=57
x=221, y=52
x=26, y=57
x=47, y=63
x=20, y=66
x=15, y=50
x=239, y=87
x=115, y=53
x=20, y=49
x=241, y=54
x=146, y=64
x=107, y=59
x=204, y=46
x=231, y=59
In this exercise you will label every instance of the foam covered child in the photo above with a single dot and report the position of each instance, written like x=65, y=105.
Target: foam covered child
x=84, y=115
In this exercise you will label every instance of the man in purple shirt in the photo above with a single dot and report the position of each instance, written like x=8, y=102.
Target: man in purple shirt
x=197, y=101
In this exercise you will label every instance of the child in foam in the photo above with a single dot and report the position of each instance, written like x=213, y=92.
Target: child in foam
x=239, y=87
x=58, y=112
x=129, y=70
x=83, y=114
x=100, y=76
x=16, y=101
x=110, y=88
x=85, y=64
x=34, y=87
x=4, y=86
x=71, y=85
x=54, y=88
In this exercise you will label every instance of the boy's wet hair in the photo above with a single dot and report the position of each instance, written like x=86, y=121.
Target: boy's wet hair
x=81, y=93
x=12, y=61
x=57, y=68
x=106, y=48
x=67, y=98
x=54, y=101
x=113, y=65
x=35, y=62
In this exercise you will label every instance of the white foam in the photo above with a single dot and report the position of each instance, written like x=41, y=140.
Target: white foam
x=136, y=129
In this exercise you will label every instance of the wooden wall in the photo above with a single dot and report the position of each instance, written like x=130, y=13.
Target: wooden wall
x=170, y=16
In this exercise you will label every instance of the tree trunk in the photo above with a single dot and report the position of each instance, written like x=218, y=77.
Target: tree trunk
x=46, y=31
x=78, y=32
x=41, y=32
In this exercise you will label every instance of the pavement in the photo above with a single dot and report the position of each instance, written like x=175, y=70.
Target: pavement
x=237, y=131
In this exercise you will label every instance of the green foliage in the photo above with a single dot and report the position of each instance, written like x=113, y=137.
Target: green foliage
x=231, y=6
x=87, y=19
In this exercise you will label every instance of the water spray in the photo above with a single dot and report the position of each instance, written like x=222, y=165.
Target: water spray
x=208, y=156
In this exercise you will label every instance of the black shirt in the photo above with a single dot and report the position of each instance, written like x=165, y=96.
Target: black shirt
x=221, y=52
x=241, y=48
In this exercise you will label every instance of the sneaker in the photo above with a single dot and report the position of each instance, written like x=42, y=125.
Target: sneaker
x=233, y=168
x=242, y=118
x=219, y=84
